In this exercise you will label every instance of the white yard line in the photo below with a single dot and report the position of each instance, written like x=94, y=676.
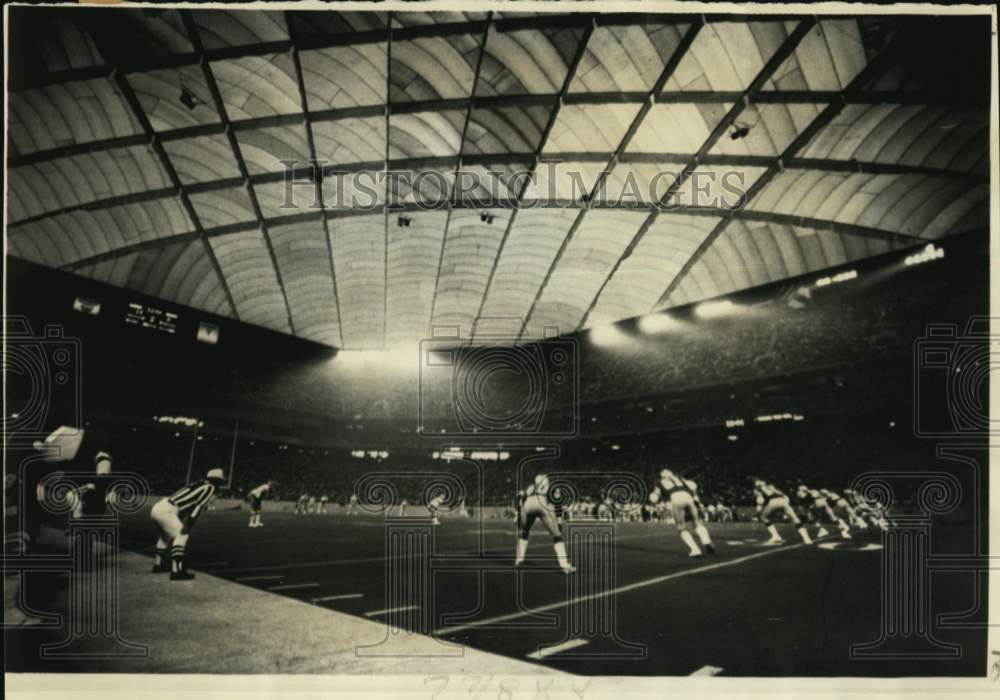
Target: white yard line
x=612, y=592
x=549, y=651
x=276, y=577
x=293, y=586
x=377, y=613
x=540, y=544
x=342, y=596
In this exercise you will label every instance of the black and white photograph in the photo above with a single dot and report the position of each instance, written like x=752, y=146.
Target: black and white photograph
x=500, y=349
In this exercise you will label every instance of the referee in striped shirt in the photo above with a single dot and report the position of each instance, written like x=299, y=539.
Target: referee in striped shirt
x=175, y=516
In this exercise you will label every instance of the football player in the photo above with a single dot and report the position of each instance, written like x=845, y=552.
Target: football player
x=841, y=508
x=174, y=518
x=352, y=507
x=256, y=497
x=814, y=503
x=772, y=502
x=434, y=505
x=90, y=498
x=870, y=515
x=682, y=495
x=533, y=504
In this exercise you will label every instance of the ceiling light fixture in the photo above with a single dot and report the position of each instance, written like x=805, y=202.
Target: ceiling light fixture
x=188, y=99
x=741, y=131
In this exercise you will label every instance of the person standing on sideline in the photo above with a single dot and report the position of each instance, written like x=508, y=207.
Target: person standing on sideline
x=175, y=517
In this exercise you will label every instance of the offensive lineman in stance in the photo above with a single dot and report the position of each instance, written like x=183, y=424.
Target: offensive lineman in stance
x=256, y=497
x=841, y=508
x=815, y=505
x=682, y=495
x=533, y=504
x=175, y=516
x=770, y=502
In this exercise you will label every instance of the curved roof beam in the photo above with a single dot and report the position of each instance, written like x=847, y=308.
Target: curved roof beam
x=195, y=37
x=870, y=72
x=317, y=172
x=491, y=102
x=153, y=139
x=765, y=74
x=533, y=163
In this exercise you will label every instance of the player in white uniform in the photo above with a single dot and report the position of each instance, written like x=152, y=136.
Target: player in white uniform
x=533, y=504
x=682, y=495
x=434, y=505
x=815, y=505
x=772, y=502
x=842, y=510
x=352, y=507
x=870, y=516
x=256, y=497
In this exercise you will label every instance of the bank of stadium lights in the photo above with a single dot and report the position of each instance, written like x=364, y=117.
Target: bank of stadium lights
x=778, y=417
x=845, y=276
x=735, y=423
x=929, y=253
x=373, y=454
x=658, y=323
x=180, y=420
x=607, y=336
x=396, y=359
x=717, y=309
x=486, y=456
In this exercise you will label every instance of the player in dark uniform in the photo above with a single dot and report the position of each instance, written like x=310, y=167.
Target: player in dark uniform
x=90, y=497
x=772, y=502
x=533, y=504
x=682, y=495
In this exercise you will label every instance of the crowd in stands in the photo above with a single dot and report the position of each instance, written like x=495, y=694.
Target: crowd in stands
x=663, y=398
x=846, y=326
x=825, y=453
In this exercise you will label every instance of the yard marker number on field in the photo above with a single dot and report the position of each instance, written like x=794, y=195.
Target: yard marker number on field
x=376, y=613
x=342, y=596
x=549, y=651
x=707, y=671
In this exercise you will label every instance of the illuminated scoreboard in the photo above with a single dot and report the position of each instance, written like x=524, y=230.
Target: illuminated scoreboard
x=151, y=317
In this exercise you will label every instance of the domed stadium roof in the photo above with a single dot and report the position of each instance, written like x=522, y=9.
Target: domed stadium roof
x=696, y=156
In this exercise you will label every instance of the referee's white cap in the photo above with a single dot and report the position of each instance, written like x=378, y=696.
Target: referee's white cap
x=216, y=474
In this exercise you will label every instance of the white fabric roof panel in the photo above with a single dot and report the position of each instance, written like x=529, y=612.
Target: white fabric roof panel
x=109, y=163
